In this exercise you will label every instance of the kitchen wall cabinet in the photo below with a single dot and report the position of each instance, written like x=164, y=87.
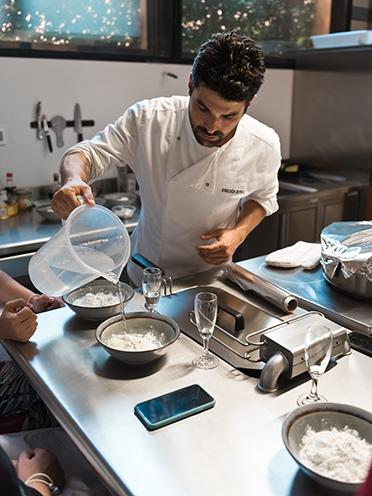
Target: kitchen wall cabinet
x=302, y=217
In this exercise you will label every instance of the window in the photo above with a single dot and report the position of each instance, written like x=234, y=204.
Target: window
x=81, y=27
x=46, y=22
x=166, y=30
x=277, y=26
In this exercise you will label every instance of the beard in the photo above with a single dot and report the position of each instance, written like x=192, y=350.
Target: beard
x=207, y=139
x=204, y=138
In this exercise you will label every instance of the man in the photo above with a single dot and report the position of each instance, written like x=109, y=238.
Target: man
x=207, y=172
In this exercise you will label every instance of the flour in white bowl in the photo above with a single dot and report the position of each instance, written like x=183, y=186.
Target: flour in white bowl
x=337, y=454
x=135, y=341
x=97, y=300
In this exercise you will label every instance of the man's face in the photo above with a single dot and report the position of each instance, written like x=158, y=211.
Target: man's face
x=213, y=119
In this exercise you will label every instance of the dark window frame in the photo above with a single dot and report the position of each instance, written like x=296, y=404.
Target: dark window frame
x=340, y=20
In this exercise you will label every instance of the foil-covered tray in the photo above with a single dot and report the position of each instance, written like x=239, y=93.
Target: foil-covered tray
x=346, y=257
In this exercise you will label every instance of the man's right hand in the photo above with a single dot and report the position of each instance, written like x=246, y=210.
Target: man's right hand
x=75, y=173
x=65, y=199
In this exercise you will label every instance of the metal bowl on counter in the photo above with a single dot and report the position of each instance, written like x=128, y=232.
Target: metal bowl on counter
x=124, y=211
x=356, y=285
x=113, y=199
x=346, y=257
x=47, y=213
x=100, y=201
x=98, y=300
x=311, y=435
x=143, y=338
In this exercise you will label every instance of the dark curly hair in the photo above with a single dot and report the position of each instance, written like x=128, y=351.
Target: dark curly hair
x=230, y=64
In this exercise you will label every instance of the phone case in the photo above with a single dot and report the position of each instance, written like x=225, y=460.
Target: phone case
x=209, y=403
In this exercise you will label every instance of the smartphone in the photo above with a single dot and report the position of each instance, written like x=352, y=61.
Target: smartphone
x=361, y=342
x=170, y=407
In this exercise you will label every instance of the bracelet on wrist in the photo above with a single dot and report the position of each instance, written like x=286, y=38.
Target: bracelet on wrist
x=45, y=479
x=31, y=296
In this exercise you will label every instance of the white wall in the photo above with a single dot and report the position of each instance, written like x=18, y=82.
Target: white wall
x=104, y=90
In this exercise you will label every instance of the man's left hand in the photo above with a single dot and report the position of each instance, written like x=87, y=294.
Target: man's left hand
x=227, y=241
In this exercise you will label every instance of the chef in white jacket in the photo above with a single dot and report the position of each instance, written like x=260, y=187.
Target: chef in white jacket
x=207, y=171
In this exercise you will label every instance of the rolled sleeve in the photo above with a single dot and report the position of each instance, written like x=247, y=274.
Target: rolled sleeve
x=115, y=145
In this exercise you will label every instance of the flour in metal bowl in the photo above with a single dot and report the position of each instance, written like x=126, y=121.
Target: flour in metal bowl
x=94, y=300
x=135, y=341
x=339, y=454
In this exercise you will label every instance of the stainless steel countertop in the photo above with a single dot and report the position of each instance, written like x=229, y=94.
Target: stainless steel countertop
x=234, y=448
x=315, y=293
x=27, y=231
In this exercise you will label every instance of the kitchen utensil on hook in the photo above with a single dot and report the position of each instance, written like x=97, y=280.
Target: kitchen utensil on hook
x=58, y=124
x=40, y=133
x=78, y=123
x=46, y=133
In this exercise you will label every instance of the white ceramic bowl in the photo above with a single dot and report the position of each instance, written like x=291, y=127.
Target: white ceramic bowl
x=324, y=416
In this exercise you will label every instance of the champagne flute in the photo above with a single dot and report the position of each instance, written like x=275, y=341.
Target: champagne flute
x=151, y=284
x=205, y=306
x=318, y=349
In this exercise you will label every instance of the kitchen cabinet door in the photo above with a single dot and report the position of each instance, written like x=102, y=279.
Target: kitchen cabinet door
x=302, y=218
x=293, y=222
x=299, y=223
x=339, y=208
x=262, y=240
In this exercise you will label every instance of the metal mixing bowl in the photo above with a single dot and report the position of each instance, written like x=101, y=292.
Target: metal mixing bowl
x=324, y=416
x=100, y=201
x=47, y=213
x=124, y=211
x=165, y=329
x=98, y=313
x=113, y=199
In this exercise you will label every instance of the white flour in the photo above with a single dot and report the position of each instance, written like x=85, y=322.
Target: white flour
x=91, y=300
x=135, y=341
x=337, y=454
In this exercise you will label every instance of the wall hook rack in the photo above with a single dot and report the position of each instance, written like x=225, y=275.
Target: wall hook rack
x=87, y=123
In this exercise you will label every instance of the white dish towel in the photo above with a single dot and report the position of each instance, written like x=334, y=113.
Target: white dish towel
x=301, y=254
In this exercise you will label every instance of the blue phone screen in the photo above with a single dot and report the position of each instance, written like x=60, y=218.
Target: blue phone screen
x=174, y=403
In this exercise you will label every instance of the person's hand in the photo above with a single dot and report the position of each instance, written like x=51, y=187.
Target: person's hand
x=40, y=461
x=220, y=252
x=43, y=303
x=18, y=321
x=65, y=199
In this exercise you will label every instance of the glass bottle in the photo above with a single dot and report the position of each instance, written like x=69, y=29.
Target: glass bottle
x=55, y=186
x=9, y=182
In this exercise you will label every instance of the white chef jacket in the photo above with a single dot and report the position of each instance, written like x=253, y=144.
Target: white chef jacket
x=186, y=189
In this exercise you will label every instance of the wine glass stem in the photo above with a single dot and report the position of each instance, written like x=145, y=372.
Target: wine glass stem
x=205, y=347
x=314, y=388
